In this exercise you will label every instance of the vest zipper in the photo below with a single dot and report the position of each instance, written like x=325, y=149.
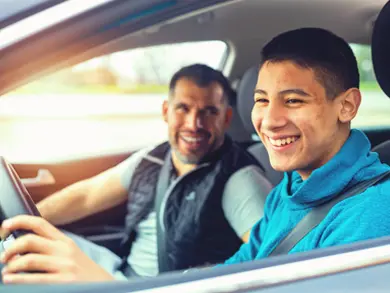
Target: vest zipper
x=169, y=191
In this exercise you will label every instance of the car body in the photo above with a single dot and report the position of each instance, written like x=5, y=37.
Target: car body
x=39, y=38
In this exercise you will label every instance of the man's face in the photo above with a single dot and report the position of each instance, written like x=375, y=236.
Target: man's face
x=297, y=123
x=197, y=119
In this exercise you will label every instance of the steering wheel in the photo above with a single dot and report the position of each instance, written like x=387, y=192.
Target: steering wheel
x=14, y=199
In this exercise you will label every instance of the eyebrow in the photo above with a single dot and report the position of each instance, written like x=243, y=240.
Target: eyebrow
x=285, y=92
x=208, y=107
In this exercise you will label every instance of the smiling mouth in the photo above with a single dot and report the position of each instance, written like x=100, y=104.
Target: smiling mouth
x=194, y=142
x=191, y=139
x=283, y=142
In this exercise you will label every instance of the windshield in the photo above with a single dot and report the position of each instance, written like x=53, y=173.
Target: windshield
x=114, y=98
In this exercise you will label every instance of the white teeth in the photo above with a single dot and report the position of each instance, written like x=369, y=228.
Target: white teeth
x=192, y=139
x=282, y=142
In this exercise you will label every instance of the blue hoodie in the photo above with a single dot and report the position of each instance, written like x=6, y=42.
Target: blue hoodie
x=363, y=216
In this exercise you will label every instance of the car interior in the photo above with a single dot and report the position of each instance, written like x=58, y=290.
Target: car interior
x=245, y=26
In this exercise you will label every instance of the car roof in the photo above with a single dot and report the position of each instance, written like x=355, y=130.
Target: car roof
x=248, y=25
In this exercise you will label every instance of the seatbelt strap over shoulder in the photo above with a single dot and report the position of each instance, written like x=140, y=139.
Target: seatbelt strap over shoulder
x=162, y=186
x=317, y=214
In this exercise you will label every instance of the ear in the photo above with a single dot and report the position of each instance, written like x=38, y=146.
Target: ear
x=228, y=116
x=165, y=107
x=350, y=103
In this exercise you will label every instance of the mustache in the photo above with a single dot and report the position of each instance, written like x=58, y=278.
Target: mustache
x=200, y=132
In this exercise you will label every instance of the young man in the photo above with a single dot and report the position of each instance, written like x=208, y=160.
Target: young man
x=306, y=95
x=204, y=217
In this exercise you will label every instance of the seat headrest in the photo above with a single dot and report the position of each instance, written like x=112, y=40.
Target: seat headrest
x=245, y=94
x=381, y=49
x=383, y=151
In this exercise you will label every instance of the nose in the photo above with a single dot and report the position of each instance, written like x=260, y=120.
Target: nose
x=194, y=121
x=274, y=116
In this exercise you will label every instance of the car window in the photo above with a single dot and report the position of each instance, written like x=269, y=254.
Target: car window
x=105, y=105
x=375, y=107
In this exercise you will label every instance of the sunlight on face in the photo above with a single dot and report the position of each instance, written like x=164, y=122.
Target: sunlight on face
x=297, y=123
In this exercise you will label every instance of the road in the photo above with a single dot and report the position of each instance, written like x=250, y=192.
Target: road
x=57, y=127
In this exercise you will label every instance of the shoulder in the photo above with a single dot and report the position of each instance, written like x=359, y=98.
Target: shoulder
x=126, y=169
x=248, y=178
x=361, y=217
x=243, y=198
x=134, y=158
x=384, y=188
x=247, y=186
x=370, y=209
x=373, y=200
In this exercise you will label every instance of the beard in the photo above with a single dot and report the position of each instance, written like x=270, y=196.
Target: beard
x=194, y=156
x=191, y=159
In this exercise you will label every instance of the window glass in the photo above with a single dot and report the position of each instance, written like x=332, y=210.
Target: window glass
x=375, y=107
x=105, y=105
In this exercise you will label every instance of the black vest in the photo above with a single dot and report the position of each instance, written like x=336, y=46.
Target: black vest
x=196, y=230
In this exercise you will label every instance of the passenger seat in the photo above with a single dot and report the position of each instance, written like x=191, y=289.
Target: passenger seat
x=381, y=60
x=383, y=151
x=245, y=92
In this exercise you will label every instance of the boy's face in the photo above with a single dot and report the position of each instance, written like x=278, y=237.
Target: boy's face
x=298, y=124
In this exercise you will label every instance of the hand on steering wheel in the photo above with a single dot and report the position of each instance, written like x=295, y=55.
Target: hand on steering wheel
x=14, y=200
x=37, y=249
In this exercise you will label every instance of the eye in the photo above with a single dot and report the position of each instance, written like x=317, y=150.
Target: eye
x=294, y=101
x=182, y=108
x=211, y=111
x=261, y=100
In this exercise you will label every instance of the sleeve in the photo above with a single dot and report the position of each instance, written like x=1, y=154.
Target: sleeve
x=244, y=197
x=127, y=167
x=248, y=251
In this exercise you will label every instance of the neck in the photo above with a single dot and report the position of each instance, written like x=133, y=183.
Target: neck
x=180, y=167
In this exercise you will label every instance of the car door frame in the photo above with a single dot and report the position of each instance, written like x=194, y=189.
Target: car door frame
x=94, y=28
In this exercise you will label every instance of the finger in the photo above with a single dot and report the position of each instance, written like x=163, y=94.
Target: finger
x=37, y=278
x=29, y=243
x=3, y=234
x=14, y=257
x=35, y=225
x=33, y=263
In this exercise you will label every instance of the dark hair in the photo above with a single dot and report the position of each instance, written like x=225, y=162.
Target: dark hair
x=203, y=75
x=330, y=57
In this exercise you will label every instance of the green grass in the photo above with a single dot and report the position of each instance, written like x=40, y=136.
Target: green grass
x=369, y=86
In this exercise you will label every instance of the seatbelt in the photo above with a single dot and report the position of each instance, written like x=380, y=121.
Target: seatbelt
x=162, y=186
x=317, y=214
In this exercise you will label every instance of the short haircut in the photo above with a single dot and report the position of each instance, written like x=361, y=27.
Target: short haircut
x=203, y=76
x=328, y=55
